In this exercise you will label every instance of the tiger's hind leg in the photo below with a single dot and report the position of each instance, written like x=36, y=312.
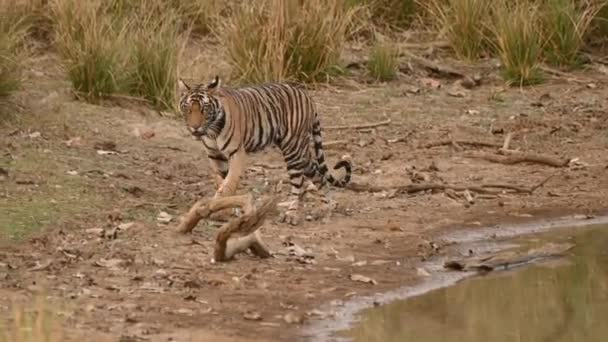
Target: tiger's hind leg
x=299, y=167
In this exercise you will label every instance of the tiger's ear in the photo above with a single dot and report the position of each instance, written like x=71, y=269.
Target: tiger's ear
x=183, y=87
x=215, y=84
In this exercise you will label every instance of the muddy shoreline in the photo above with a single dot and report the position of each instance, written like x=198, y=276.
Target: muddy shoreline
x=482, y=240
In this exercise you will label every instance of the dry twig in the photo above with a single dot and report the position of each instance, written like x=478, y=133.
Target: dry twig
x=461, y=142
x=360, y=126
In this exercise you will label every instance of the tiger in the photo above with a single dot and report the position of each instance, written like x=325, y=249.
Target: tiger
x=234, y=123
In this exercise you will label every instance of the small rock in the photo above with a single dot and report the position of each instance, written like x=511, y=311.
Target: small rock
x=360, y=263
x=72, y=172
x=76, y=141
x=34, y=135
x=349, y=258
x=95, y=231
x=164, y=217
x=317, y=313
x=292, y=318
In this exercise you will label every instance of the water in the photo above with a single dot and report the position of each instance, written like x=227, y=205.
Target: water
x=557, y=301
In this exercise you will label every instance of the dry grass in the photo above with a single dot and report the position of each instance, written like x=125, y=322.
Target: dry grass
x=463, y=23
x=383, y=62
x=279, y=40
x=153, y=57
x=119, y=47
x=517, y=33
x=14, y=26
x=200, y=16
x=391, y=14
x=566, y=23
x=37, y=325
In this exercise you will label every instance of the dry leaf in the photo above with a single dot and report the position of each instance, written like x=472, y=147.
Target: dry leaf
x=252, y=316
x=41, y=266
x=362, y=279
x=109, y=263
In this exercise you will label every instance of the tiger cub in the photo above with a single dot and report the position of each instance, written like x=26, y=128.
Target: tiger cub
x=235, y=122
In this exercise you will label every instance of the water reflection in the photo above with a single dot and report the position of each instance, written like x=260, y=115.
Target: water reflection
x=559, y=303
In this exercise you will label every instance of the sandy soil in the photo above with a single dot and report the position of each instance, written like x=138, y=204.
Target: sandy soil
x=112, y=271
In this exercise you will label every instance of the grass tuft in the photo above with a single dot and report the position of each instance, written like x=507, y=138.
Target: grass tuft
x=462, y=22
x=119, y=47
x=383, y=62
x=566, y=23
x=91, y=46
x=518, y=40
x=279, y=40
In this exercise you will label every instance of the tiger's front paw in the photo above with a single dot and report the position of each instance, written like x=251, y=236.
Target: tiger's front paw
x=290, y=216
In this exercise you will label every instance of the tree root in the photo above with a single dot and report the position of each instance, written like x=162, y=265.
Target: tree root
x=237, y=235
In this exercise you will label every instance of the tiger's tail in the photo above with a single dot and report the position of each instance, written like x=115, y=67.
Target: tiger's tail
x=321, y=166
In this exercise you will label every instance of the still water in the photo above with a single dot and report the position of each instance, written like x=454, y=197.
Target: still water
x=563, y=301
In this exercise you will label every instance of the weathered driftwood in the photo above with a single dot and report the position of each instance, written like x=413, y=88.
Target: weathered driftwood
x=505, y=259
x=238, y=234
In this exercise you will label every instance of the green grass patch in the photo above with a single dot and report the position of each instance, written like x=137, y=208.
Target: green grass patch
x=518, y=38
x=54, y=196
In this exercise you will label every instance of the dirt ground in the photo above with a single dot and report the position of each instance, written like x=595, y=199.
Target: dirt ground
x=83, y=188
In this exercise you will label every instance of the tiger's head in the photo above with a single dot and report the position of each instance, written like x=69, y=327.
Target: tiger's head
x=200, y=108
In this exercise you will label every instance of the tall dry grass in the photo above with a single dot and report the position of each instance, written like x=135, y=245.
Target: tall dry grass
x=119, y=47
x=92, y=45
x=153, y=58
x=462, y=22
x=278, y=40
x=15, y=24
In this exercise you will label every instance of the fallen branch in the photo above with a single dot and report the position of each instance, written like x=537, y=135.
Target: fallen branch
x=435, y=67
x=516, y=157
x=461, y=142
x=237, y=235
x=508, y=258
x=492, y=189
x=360, y=126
